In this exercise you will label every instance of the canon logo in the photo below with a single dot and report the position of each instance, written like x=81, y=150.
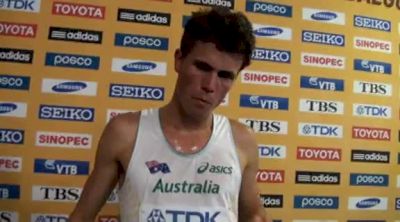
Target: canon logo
x=327, y=154
x=79, y=10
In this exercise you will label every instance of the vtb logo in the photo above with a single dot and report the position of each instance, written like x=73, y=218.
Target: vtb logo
x=154, y=167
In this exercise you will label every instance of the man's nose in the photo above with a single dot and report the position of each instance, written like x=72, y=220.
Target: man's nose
x=209, y=82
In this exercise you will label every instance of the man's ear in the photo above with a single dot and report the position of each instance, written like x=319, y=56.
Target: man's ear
x=178, y=60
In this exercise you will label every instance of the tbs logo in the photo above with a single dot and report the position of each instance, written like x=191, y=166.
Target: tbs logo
x=269, y=8
x=266, y=126
x=316, y=202
x=72, y=61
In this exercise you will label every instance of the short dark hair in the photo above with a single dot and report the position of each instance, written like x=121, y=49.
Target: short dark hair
x=230, y=31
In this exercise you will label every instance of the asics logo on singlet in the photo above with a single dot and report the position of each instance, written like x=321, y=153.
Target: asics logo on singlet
x=217, y=169
x=154, y=167
x=156, y=216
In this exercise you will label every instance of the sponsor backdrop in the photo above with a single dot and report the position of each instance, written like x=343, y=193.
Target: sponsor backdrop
x=322, y=96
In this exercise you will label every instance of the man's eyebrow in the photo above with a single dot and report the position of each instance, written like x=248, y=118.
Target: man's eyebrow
x=203, y=65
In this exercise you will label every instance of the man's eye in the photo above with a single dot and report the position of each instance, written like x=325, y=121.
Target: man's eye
x=203, y=66
x=226, y=75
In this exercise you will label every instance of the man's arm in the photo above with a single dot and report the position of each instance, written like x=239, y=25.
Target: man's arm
x=250, y=209
x=116, y=139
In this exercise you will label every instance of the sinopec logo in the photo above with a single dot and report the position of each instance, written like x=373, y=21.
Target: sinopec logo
x=140, y=67
x=324, y=154
x=371, y=133
x=372, y=88
x=316, y=202
x=141, y=41
x=223, y=3
x=78, y=10
x=320, y=130
x=271, y=55
x=14, y=82
x=69, y=87
x=358, y=179
x=309, y=177
x=312, y=82
x=12, y=136
x=266, y=126
x=268, y=8
x=136, y=92
x=64, y=140
x=13, y=109
x=270, y=176
x=146, y=17
x=324, y=16
x=272, y=32
x=16, y=55
x=10, y=164
x=372, y=66
x=372, y=110
x=271, y=200
x=272, y=151
x=9, y=191
x=69, y=113
x=370, y=156
x=323, y=38
x=372, y=23
x=264, y=102
x=58, y=194
x=321, y=106
x=323, y=61
x=375, y=45
x=18, y=29
x=49, y=218
x=72, y=61
x=20, y=5
x=367, y=203
x=9, y=216
x=62, y=167
x=75, y=35
x=265, y=78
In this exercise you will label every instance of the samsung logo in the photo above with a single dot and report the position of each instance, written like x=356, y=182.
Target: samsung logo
x=16, y=55
x=272, y=32
x=139, y=66
x=13, y=109
x=372, y=156
x=141, y=41
x=70, y=87
x=272, y=55
x=145, y=17
x=264, y=102
x=367, y=203
x=372, y=66
x=325, y=16
x=12, y=136
x=62, y=167
x=20, y=5
x=136, y=92
x=68, y=113
x=357, y=179
x=75, y=35
x=311, y=82
x=72, y=61
x=323, y=38
x=14, y=82
x=316, y=202
x=9, y=191
x=268, y=8
x=372, y=23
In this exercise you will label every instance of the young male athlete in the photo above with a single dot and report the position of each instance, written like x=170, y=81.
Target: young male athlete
x=182, y=162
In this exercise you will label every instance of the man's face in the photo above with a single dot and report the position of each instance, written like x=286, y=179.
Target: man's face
x=205, y=76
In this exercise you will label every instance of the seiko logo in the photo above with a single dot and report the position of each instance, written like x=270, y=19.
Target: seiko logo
x=311, y=153
x=264, y=102
x=139, y=66
x=18, y=29
x=308, y=177
x=10, y=164
x=321, y=106
x=320, y=15
x=271, y=200
x=270, y=176
x=369, y=179
x=320, y=130
x=16, y=55
x=372, y=88
x=141, y=41
x=75, y=35
x=371, y=110
x=79, y=10
x=372, y=23
x=70, y=87
x=272, y=151
x=323, y=61
x=12, y=136
x=62, y=167
x=9, y=216
x=272, y=32
x=20, y=5
x=9, y=191
x=136, y=92
x=370, y=156
x=206, y=167
x=66, y=113
x=13, y=109
x=372, y=66
x=316, y=202
x=371, y=133
x=369, y=203
x=64, y=140
x=72, y=61
x=14, y=82
x=49, y=218
x=375, y=45
x=269, y=8
x=265, y=78
x=154, y=18
x=59, y=194
x=224, y=3
x=321, y=83
x=266, y=126
x=323, y=38
x=271, y=55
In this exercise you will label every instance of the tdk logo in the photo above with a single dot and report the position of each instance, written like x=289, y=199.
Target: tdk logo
x=324, y=16
x=269, y=8
x=14, y=82
x=141, y=41
x=139, y=67
x=320, y=130
x=371, y=110
x=316, y=202
x=272, y=32
x=66, y=113
x=158, y=215
x=72, y=61
x=136, y=92
x=372, y=66
x=372, y=23
x=367, y=203
x=271, y=55
x=372, y=88
x=146, y=17
x=321, y=83
x=223, y=3
x=264, y=102
x=271, y=200
x=308, y=177
x=323, y=38
x=370, y=156
x=12, y=136
x=266, y=126
x=63, y=167
x=9, y=191
x=272, y=151
x=357, y=179
x=16, y=55
x=321, y=106
x=70, y=87
x=75, y=35
x=20, y=5
x=49, y=218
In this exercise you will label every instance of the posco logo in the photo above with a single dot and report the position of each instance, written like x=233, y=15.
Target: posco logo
x=323, y=38
x=316, y=202
x=214, y=169
x=12, y=136
x=372, y=23
x=269, y=8
x=14, y=82
x=372, y=66
x=271, y=55
x=72, y=61
x=369, y=179
x=66, y=113
x=136, y=92
x=141, y=41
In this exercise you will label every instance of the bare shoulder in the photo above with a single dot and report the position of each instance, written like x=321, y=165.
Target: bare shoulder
x=242, y=134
